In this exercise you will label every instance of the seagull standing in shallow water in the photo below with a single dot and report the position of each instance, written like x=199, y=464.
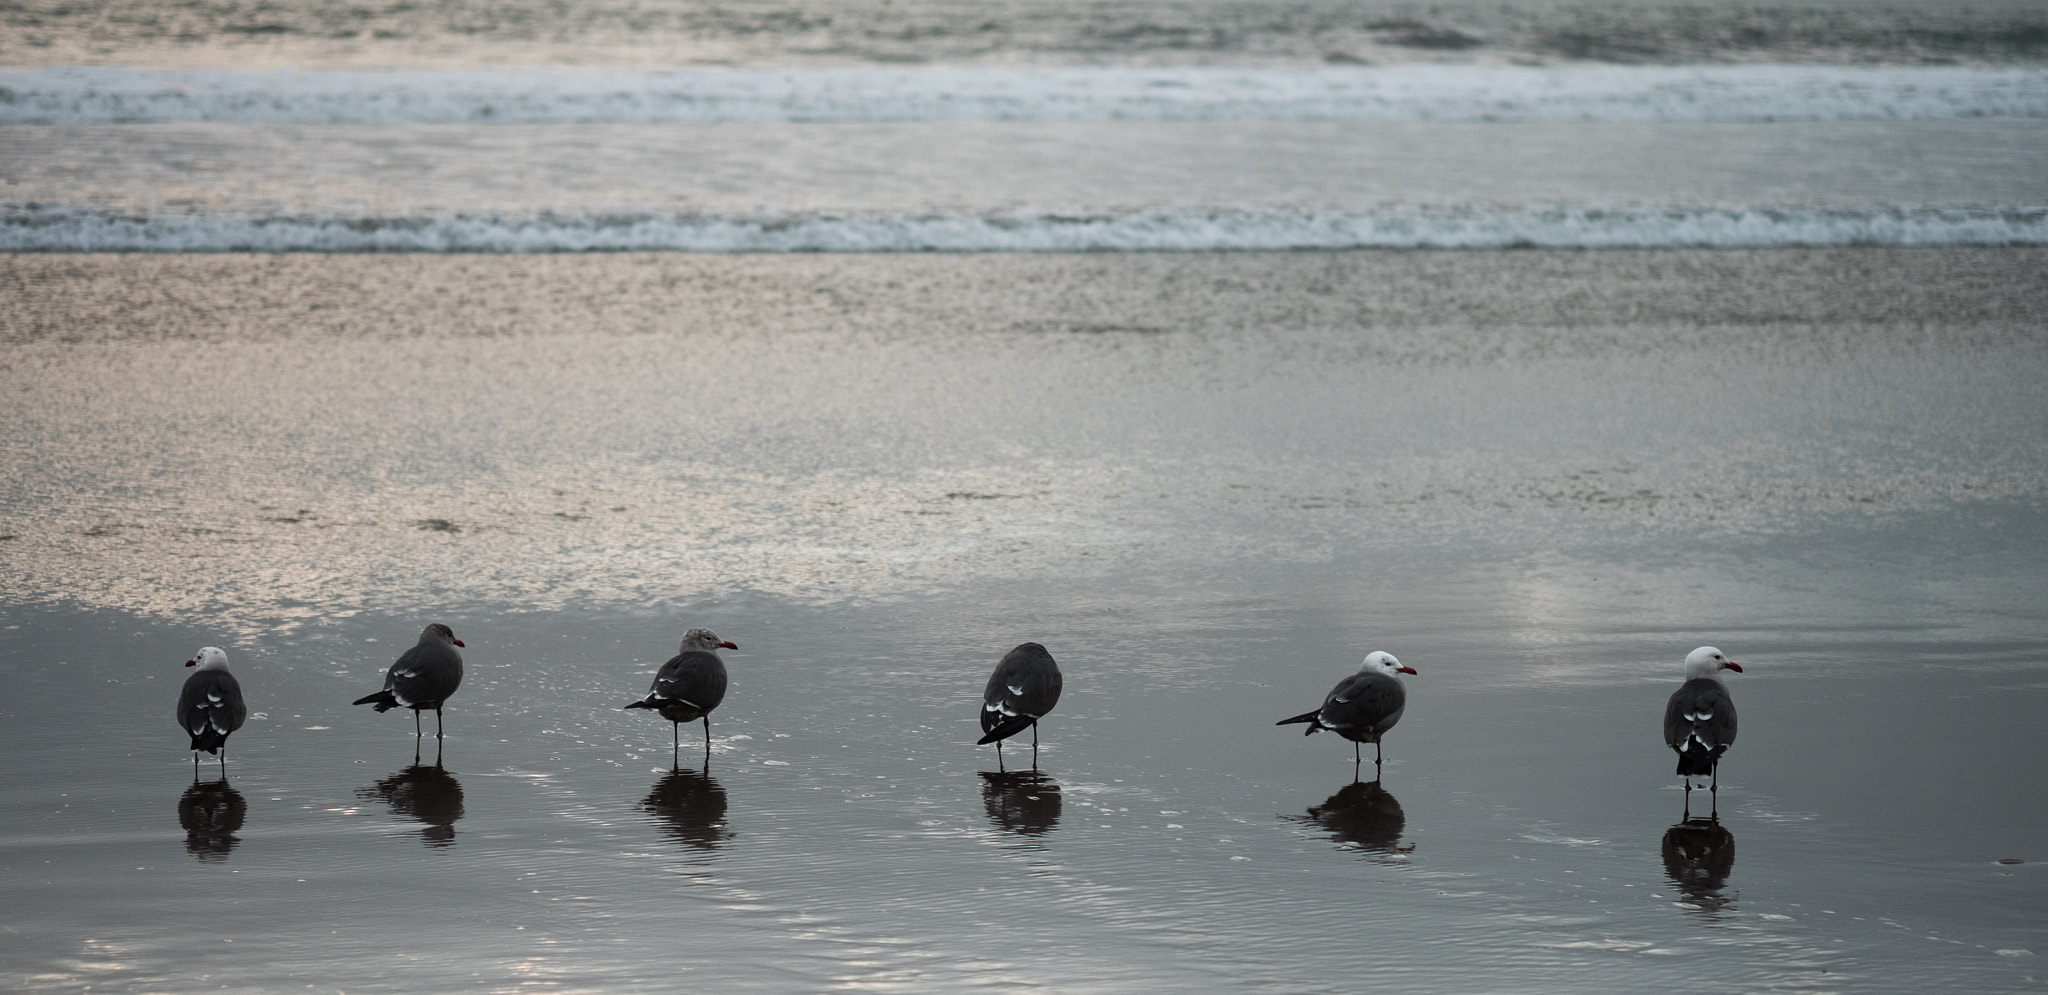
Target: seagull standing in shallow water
x=1699, y=721
x=1362, y=707
x=210, y=707
x=690, y=684
x=423, y=677
x=1025, y=686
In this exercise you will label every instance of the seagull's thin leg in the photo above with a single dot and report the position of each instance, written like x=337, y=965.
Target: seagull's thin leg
x=195, y=766
x=1356, y=757
x=1034, y=746
x=440, y=727
x=999, y=756
x=707, y=735
x=223, y=762
x=417, y=732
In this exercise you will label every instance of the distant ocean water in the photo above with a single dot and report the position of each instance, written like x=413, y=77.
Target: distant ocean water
x=1250, y=127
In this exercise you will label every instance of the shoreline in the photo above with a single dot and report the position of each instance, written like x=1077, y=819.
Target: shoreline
x=292, y=294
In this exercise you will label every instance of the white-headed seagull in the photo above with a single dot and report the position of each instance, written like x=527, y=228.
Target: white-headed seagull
x=1699, y=721
x=210, y=707
x=690, y=684
x=1362, y=707
x=423, y=677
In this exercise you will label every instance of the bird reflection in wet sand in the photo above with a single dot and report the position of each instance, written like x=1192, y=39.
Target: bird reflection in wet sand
x=1025, y=802
x=212, y=813
x=1365, y=817
x=1699, y=854
x=690, y=807
x=429, y=794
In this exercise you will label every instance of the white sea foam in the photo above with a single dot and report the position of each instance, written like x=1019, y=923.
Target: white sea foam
x=1389, y=93
x=28, y=228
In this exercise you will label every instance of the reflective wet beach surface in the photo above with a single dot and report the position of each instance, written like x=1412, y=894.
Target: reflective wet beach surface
x=1208, y=485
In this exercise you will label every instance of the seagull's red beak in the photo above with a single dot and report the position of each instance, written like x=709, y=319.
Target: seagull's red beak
x=1731, y=665
x=459, y=642
x=194, y=662
x=728, y=645
x=1407, y=669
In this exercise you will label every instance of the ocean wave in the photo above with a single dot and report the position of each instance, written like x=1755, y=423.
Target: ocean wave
x=31, y=228
x=1427, y=93
x=661, y=35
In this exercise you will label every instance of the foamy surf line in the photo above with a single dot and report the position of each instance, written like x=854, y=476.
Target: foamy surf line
x=1421, y=93
x=31, y=229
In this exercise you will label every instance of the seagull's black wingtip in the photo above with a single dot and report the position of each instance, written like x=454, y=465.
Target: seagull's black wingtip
x=1009, y=727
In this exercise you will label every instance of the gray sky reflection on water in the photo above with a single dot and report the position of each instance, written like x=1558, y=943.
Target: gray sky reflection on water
x=1208, y=485
x=264, y=435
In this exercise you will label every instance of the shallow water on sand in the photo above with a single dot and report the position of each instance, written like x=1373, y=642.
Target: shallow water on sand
x=1525, y=830
x=1208, y=485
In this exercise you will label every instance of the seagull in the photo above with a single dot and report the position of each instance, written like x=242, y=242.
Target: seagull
x=210, y=707
x=1362, y=707
x=423, y=677
x=1024, y=687
x=1699, y=721
x=690, y=684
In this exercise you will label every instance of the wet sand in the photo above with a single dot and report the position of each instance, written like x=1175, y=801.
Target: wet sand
x=1208, y=483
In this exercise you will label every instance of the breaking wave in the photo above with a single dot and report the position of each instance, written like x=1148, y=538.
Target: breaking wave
x=1443, y=93
x=29, y=228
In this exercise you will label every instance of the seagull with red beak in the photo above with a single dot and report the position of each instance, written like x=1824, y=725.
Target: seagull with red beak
x=1362, y=707
x=210, y=706
x=1699, y=721
x=423, y=677
x=690, y=684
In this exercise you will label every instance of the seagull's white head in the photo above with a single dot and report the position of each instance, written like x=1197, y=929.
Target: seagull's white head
x=706, y=640
x=1383, y=663
x=209, y=658
x=1708, y=662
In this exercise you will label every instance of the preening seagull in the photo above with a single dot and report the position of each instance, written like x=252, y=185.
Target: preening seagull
x=423, y=677
x=1699, y=721
x=1362, y=707
x=210, y=707
x=690, y=684
x=1025, y=686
